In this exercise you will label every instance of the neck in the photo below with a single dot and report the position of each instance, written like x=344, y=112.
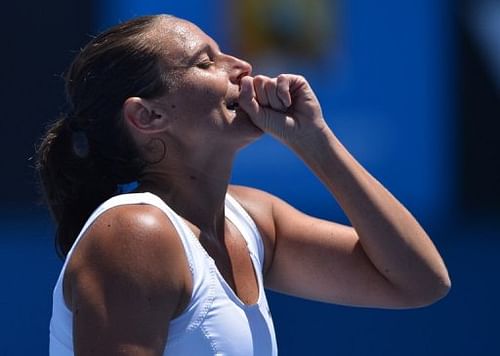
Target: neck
x=196, y=191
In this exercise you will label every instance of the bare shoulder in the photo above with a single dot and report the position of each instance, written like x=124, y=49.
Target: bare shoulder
x=132, y=246
x=262, y=206
x=259, y=205
x=126, y=280
x=251, y=197
x=265, y=208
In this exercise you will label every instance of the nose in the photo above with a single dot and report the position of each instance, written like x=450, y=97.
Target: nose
x=238, y=69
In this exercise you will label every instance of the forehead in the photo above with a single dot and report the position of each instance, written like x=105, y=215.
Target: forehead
x=182, y=39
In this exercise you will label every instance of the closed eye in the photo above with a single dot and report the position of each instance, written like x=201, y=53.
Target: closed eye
x=205, y=64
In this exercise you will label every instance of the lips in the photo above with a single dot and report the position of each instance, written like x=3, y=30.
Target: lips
x=232, y=97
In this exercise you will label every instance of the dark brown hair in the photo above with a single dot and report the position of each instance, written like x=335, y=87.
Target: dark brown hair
x=87, y=152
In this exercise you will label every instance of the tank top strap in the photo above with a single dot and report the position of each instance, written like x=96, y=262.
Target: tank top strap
x=183, y=231
x=139, y=198
x=246, y=225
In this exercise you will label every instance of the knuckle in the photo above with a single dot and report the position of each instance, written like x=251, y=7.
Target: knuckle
x=259, y=78
x=282, y=77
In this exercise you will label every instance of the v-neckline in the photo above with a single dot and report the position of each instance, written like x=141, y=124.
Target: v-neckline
x=231, y=292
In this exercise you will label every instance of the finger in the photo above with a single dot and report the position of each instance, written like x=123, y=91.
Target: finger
x=259, y=83
x=247, y=99
x=283, y=90
x=271, y=91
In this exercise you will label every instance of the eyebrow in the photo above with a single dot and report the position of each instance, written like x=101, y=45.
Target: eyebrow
x=191, y=58
x=205, y=48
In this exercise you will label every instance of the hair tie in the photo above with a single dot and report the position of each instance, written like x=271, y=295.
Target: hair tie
x=80, y=144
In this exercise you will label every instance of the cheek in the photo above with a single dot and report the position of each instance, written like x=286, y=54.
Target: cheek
x=205, y=91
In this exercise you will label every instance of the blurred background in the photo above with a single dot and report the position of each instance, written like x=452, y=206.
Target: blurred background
x=410, y=87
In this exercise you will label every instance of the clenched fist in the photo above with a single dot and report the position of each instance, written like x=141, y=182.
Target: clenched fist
x=285, y=107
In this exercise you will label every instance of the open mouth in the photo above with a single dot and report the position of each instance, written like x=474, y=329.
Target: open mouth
x=232, y=105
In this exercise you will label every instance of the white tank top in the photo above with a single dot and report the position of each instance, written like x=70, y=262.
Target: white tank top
x=216, y=321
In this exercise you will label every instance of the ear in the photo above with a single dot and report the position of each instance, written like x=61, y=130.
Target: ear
x=140, y=114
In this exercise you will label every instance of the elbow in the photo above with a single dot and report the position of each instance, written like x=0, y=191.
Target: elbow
x=439, y=285
x=439, y=290
x=428, y=293
x=445, y=285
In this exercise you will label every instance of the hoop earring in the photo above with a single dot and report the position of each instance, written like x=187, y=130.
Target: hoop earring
x=150, y=147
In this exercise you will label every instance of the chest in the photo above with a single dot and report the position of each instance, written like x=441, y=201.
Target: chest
x=229, y=313
x=234, y=262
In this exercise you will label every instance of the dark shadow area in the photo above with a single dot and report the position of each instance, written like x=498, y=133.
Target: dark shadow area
x=39, y=41
x=479, y=110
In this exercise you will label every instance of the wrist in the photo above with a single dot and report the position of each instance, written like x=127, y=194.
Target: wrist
x=316, y=144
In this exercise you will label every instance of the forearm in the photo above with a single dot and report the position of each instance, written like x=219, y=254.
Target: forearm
x=392, y=239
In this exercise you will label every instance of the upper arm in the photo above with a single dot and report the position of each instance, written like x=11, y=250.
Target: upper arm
x=314, y=258
x=126, y=283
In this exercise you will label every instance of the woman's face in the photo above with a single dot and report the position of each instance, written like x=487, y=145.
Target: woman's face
x=202, y=103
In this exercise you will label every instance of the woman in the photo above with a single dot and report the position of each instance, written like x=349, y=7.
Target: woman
x=179, y=265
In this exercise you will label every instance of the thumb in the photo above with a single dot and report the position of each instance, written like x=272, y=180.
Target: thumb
x=247, y=99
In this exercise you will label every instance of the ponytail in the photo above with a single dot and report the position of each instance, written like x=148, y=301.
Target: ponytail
x=85, y=155
x=71, y=182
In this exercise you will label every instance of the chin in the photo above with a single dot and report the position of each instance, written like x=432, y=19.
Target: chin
x=243, y=129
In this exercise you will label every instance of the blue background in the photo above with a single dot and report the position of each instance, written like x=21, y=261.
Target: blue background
x=390, y=94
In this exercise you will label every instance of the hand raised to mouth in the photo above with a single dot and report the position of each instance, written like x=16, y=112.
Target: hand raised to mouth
x=285, y=106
